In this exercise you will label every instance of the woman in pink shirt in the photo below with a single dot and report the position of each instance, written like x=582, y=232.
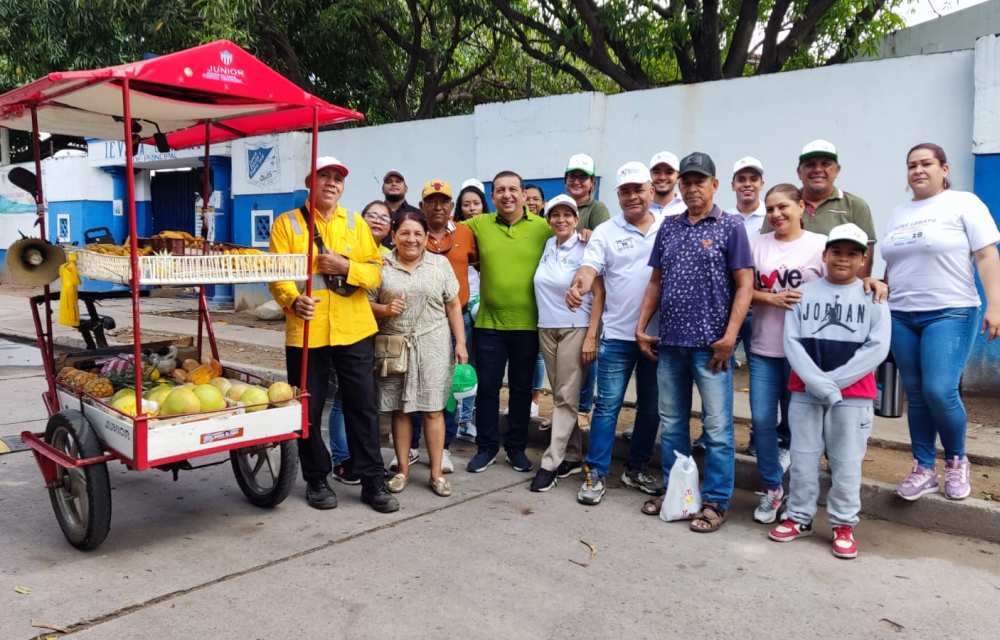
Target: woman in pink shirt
x=784, y=259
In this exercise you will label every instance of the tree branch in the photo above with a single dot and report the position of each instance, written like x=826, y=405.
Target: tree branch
x=739, y=46
x=769, y=54
x=849, y=43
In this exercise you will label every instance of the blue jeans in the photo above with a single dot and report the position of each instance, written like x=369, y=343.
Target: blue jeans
x=338, y=433
x=615, y=362
x=495, y=349
x=679, y=368
x=587, y=388
x=768, y=392
x=931, y=349
x=538, y=379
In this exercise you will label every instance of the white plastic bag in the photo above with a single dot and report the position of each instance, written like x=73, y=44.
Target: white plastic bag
x=683, y=499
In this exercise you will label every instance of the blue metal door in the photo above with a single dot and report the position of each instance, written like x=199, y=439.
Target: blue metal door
x=174, y=194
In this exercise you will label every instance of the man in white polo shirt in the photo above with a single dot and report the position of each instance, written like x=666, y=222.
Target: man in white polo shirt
x=619, y=251
x=663, y=174
x=748, y=182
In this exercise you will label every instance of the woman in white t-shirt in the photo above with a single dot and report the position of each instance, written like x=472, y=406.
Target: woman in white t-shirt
x=784, y=260
x=930, y=246
x=567, y=339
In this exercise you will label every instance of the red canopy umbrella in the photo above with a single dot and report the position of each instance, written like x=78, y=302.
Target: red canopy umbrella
x=217, y=84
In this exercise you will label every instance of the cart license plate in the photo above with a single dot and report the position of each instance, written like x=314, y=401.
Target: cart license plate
x=219, y=436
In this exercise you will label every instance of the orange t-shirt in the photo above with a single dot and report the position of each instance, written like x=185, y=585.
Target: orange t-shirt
x=459, y=247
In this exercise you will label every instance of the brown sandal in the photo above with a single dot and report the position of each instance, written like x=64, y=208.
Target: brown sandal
x=652, y=506
x=712, y=515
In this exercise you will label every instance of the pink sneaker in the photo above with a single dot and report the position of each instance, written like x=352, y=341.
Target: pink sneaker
x=919, y=483
x=844, y=545
x=956, y=478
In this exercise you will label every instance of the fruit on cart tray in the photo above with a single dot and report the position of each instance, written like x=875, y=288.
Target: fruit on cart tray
x=179, y=375
x=190, y=364
x=222, y=384
x=202, y=375
x=209, y=397
x=236, y=389
x=101, y=388
x=159, y=393
x=255, y=399
x=180, y=401
x=124, y=401
x=279, y=393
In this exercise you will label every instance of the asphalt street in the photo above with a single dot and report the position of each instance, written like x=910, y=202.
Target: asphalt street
x=193, y=559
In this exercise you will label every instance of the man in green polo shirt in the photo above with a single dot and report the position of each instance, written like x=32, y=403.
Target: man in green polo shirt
x=826, y=205
x=510, y=245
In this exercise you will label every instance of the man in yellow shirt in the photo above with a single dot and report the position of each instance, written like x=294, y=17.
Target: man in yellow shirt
x=341, y=329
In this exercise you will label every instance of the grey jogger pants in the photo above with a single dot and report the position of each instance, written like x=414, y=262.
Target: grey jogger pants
x=842, y=431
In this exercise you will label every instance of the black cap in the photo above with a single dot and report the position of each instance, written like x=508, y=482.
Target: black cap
x=697, y=162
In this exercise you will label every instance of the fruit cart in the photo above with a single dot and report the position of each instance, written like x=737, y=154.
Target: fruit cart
x=208, y=94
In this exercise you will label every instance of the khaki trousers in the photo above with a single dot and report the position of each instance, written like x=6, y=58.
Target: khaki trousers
x=561, y=350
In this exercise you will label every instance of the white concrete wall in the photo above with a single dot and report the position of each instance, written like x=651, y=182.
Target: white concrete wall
x=873, y=111
x=72, y=178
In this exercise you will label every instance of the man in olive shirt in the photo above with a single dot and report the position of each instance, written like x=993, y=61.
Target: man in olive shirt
x=580, y=185
x=511, y=243
x=826, y=205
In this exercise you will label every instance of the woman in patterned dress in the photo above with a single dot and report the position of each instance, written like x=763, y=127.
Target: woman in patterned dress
x=418, y=298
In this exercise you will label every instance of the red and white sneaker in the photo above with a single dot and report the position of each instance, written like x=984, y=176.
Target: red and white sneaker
x=844, y=545
x=789, y=530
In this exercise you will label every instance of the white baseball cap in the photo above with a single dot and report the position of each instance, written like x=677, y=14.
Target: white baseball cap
x=561, y=200
x=472, y=182
x=850, y=232
x=667, y=158
x=580, y=162
x=748, y=162
x=323, y=162
x=633, y=172
x=818, y=149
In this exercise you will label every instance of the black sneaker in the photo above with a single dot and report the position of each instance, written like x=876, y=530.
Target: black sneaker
x=543, y=481
x=519, y=462
x=481, y=460
x=568, y=468
x=642, y=481
x=342, y=473
x=377, y=496
x=319, y=495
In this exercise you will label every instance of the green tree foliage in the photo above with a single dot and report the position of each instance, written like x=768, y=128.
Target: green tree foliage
x=639, y=44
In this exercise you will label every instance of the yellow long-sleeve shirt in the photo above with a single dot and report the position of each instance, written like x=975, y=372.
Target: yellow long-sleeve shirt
x=338, y=320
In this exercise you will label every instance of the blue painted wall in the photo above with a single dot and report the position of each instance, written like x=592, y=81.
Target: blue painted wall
x=276, y=202
x=981, y=372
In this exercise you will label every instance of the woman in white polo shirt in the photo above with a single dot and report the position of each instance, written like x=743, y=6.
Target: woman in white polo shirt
x=930, y=246
x=567, y=339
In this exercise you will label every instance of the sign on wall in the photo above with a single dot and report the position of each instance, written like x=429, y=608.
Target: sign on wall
x=263, y=166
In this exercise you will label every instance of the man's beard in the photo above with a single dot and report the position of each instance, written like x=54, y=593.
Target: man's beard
x=394, y=197
x=663, y=192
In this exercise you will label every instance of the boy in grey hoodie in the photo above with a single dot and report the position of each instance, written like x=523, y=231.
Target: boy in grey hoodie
x=835, y=337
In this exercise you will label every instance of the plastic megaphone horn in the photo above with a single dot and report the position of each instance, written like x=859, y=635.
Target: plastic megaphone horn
x=34, y=262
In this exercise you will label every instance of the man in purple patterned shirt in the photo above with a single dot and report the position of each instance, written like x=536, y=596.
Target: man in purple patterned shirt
x=701, y=283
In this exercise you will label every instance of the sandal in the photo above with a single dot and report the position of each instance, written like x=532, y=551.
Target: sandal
x=711, y=518
x=652, y=506
x=441, y=486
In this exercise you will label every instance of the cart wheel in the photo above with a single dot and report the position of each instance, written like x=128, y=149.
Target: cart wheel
x=82, y=500
x=266, y=474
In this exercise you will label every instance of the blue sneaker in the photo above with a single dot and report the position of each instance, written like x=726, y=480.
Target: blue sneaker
x=518, y=461
x=481, y=460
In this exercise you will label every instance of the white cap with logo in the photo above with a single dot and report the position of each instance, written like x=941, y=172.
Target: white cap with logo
x=667, y=158
x=633, y=172
x=323, y=162
x=561, y=200
x=580, y=162
x=818, y=149
x=849, y=232
x=472, y=182
x=748, y=162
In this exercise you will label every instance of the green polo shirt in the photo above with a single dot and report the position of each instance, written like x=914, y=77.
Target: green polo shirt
x=508, y=257
x=592, y=213
x=840, y=208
